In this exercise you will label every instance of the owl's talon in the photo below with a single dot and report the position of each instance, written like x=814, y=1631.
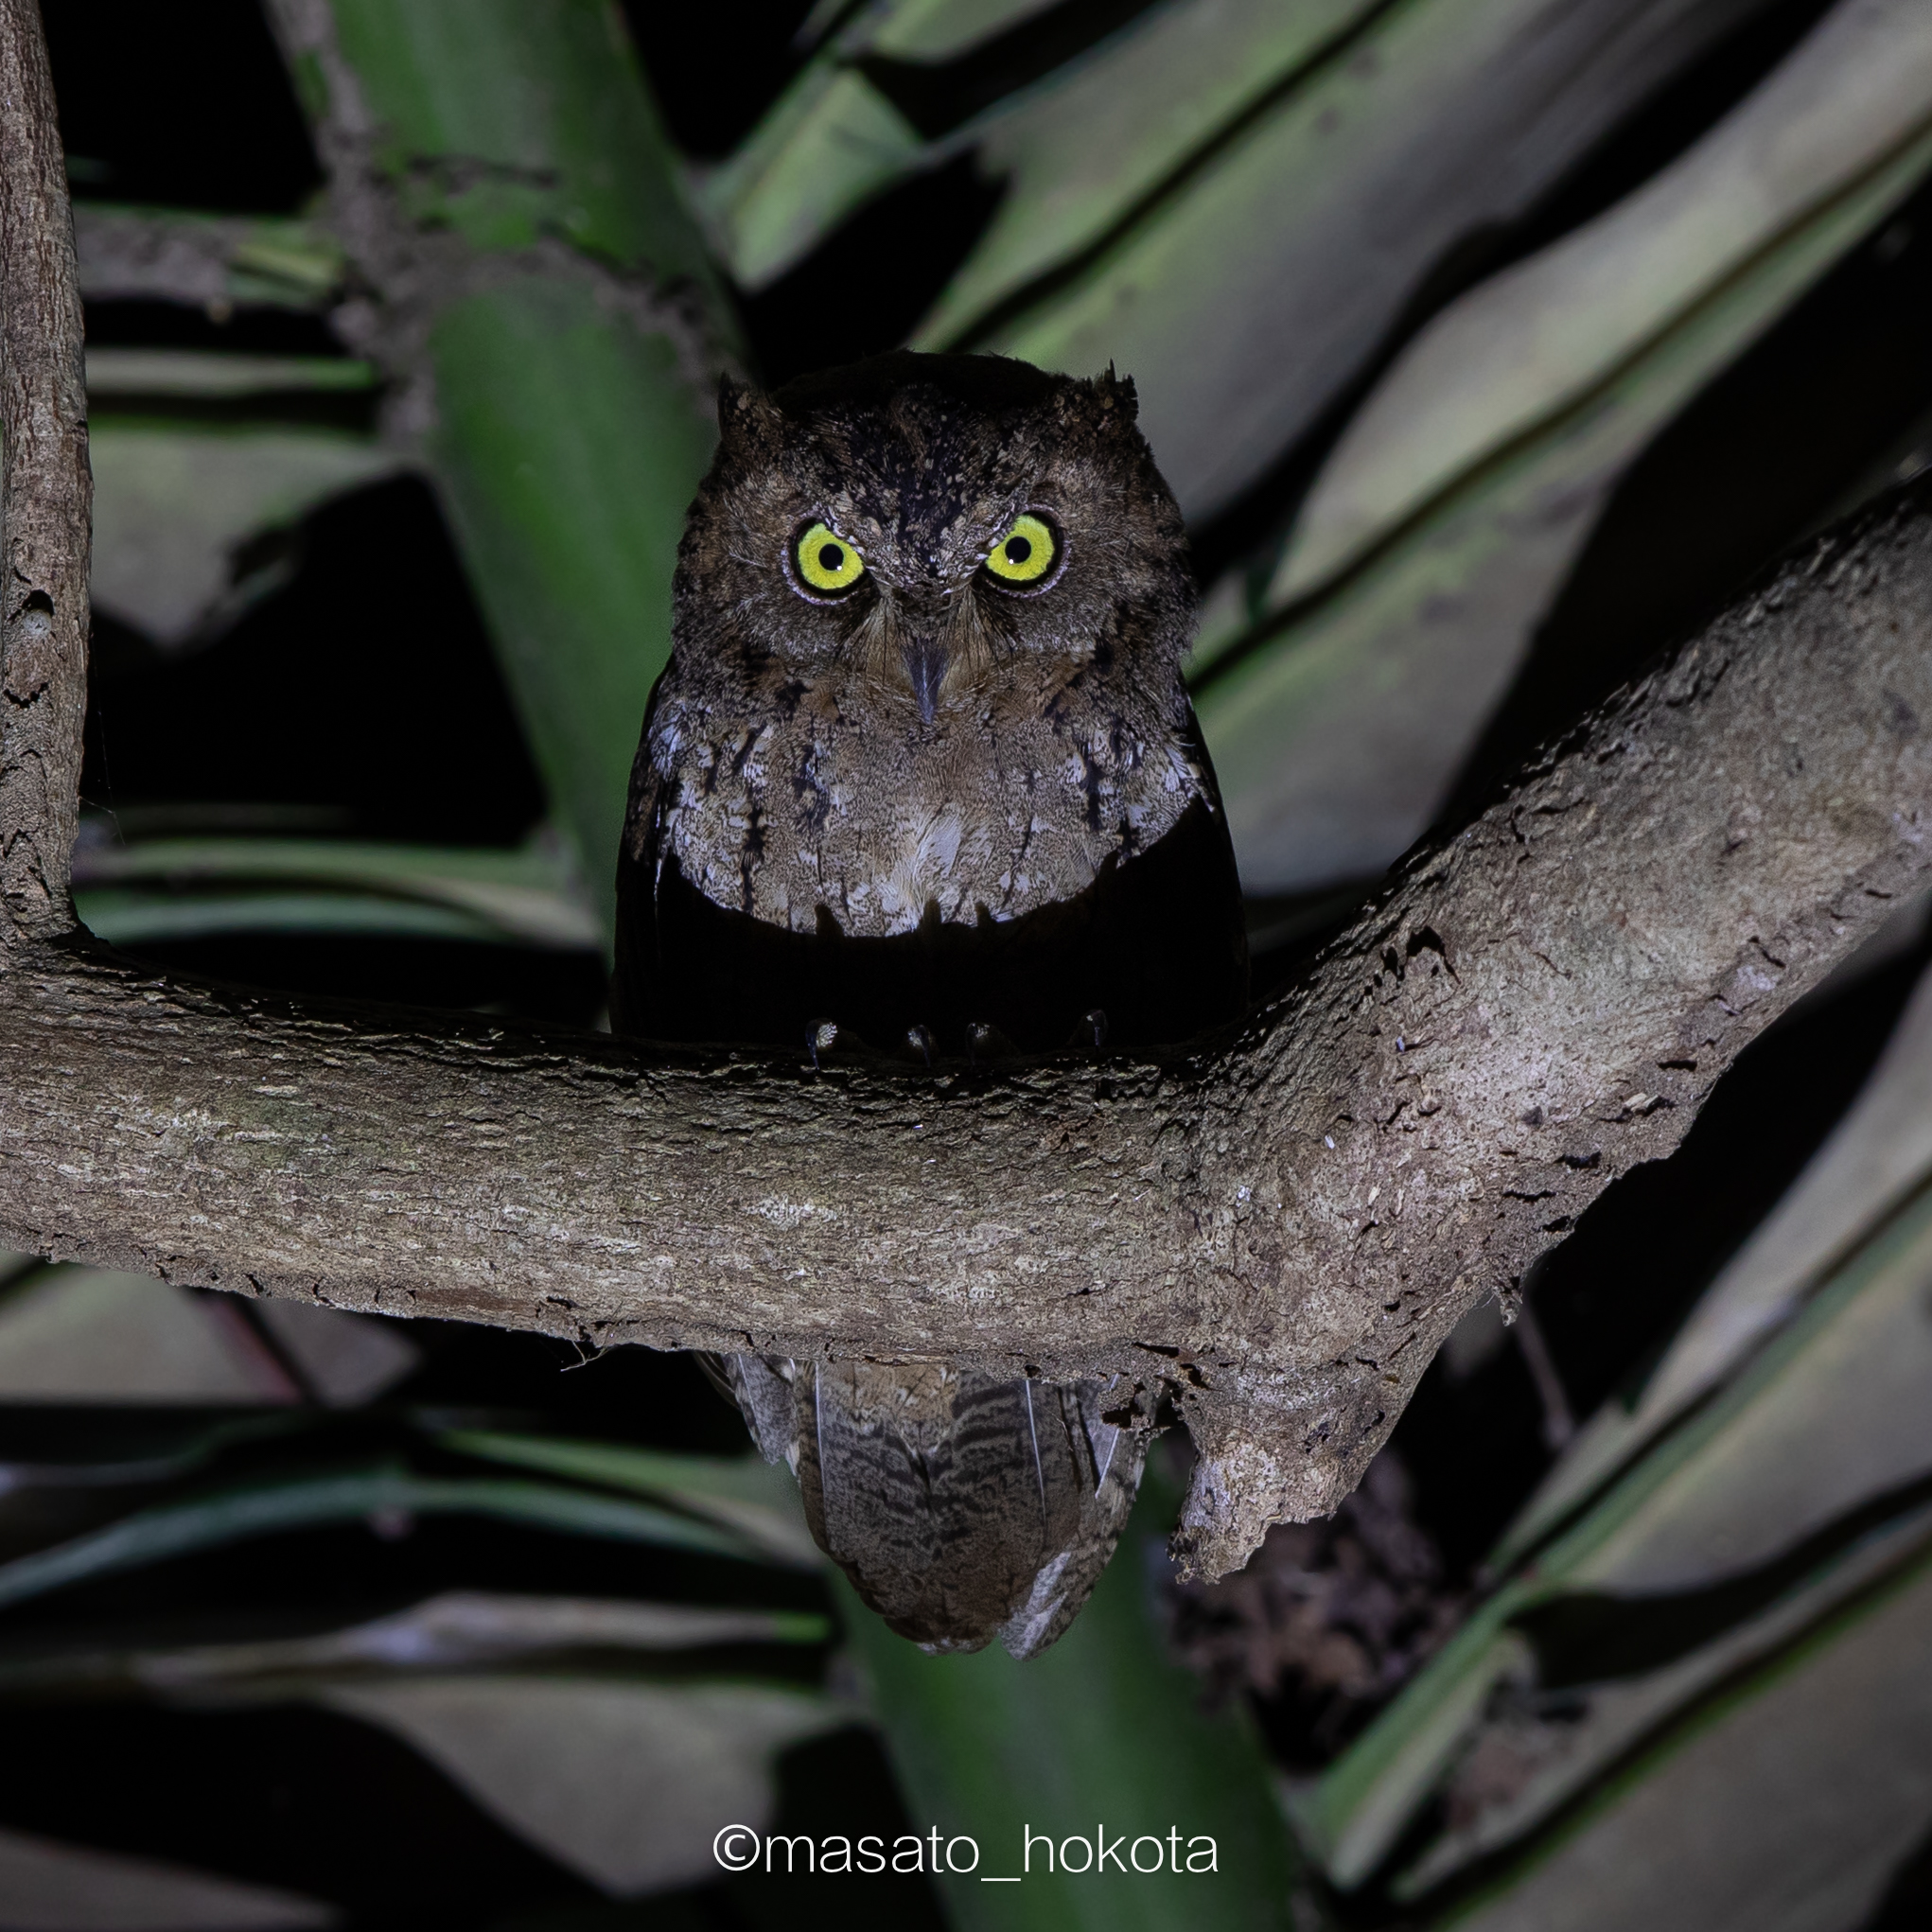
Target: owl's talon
x=985, y=1042
x=920, y=1040
x=1090, y=1030
x=821, y=1037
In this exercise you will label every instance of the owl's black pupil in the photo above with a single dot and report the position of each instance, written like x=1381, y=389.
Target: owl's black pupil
x=831, y=559
x=1018, y=549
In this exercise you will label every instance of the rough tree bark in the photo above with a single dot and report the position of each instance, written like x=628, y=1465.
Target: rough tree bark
x=1279, y=1227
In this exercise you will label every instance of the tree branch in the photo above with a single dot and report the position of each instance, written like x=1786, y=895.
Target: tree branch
x=46, y=496
x=1278, y=1228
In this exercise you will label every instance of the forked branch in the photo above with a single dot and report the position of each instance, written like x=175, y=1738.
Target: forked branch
x=1279, y=1227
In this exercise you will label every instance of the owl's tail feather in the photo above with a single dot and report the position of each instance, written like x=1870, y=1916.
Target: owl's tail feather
x=962, y=1505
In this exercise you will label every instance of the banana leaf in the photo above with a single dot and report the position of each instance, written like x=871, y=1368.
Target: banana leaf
x=1077, y=151
x=1787, y=1475
x=1101, y=1738
x=1242, y=299
x=1790, y=1797
x=452, y=1630
x=233, y=1515
x=1529, y=345
x=1339, y=726
x=749, y=1496
x=625, y=1784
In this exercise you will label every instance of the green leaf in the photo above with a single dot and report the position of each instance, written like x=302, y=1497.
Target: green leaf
x=1242, y=299
x=1875, y=1162
x=1078, y=152
x=1790, y=1801
x=454, y=1631
x=231, y=1515
x=1088, y=154
x=1784, y=1491
x=1337, y=736
x=514, y=120
x=830, y=144
x=570, y=444
x=743, y=1493
x=1531, y=346
x=152, y=888
x=212, y=375
x=1105, y=1733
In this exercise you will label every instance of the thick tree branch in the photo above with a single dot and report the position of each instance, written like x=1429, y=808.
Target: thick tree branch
x=45, y=497
x=1279, y=1228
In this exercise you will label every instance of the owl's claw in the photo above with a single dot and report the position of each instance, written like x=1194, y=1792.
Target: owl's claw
x=985, y=1042
x=821, y=1036
x=920, y=1040
x=1091, y=1029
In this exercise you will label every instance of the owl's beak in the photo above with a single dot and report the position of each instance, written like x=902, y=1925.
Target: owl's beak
x=926, y=663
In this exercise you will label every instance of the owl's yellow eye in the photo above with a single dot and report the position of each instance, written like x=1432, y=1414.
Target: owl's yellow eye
x=826, y=562
x=1027, y=553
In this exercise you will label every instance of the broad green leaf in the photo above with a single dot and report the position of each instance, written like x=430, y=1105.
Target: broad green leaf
x=51, y=1886
x=175, y=500
x=1077, y=151
x=1087, y=154
x=1337, y=737
x=170, y=254
x=1790, y=1801
x=1828, y=1420
x=1245, y=298
x=831, y=144
x=1530, y=346
x=933, y=30
x=744, y=1493
x=1531, y=1754
x=574, y=407
x=232, y=1516
x=569, y=444
x=1105, y=1733
x=625, y=1783
x=152, y=888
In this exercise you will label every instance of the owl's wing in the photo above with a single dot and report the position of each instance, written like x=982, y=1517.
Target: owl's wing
x=962, y=1505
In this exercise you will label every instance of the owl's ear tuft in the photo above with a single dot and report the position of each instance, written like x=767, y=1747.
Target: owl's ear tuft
x=1117, y=397
x=743, y=413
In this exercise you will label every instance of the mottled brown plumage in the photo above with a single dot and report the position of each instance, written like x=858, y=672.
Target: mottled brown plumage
x=944, y=810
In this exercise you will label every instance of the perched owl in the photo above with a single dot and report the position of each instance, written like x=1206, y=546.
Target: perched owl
x=920, y=774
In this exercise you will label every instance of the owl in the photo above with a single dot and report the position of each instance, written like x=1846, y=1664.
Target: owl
x=920, y=779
